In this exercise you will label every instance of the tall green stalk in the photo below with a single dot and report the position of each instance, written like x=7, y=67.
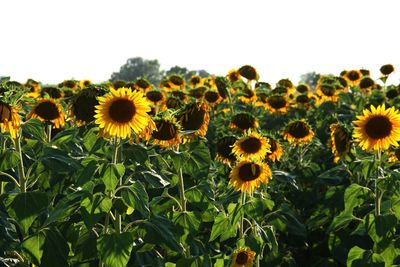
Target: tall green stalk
x=21, y=170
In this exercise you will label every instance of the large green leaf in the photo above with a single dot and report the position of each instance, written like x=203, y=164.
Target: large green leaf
x=33, y=246
x=115, y=249
x=95, y=207
x=59, y=161
x=34, y=129
x=223, y=228
x=136, y=197
x=26, y=207
x=9, y=159
x=111, y=175
x=359, y=257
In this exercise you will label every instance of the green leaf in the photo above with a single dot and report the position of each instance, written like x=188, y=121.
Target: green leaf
x=222, y=227
x=26, y=207
x=359, y=257
x=111, y=174
x=9, y=159
x=152, y=178
x=59, y=161
x=136, y=153
x=115, y=249
x=198, y=160
x=65, y=136
x=355, y=195
x=136, y=197
x=33, y=246
x=66, y=207
x=33, y=128
x=94, y=207
x=55, y=250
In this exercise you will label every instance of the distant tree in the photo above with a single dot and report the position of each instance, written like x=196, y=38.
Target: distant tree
x=311, y=78
x=187, y=74
x=138, y=67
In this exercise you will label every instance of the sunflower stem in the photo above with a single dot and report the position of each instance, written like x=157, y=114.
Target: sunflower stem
x=118, y=217
x=242, y=202
x=378, y=195
x=21, y=171
x=49, y=128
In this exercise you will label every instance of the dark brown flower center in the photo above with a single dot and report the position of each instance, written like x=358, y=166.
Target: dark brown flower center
x=378, y=127
x=165, y=130
x=298, y=129
x=327, y=90
x=84, y=107
x=353, y=75
x=5, y=112
x=277, y=102
x=53, y=92
x=211, y=96
x=366, y=83
x=387, y=69
x=242, y=258
x=392, y=93
x=341, y=139
x=301, y=88
x=233, y=76
x=244, y=121
x=195, y=80
x=47, y=110
x=193, y=118
x=251, y=145
x=198, y=92
x=154, y=96
x=122, y=110
x=302, y=99
x=176, y=80
x=249, y=172
x=248, y=72
x=141, y=83
x=224, y=147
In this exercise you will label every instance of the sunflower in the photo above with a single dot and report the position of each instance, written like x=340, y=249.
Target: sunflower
x=327, y=92
x=353, y=77
x=84, y=83
x=277, y=104
x=233, y=75
x=340, y=141
x=249, y=72
x=366, y=84
x=122, y=111
x=49, y=111
x=117, y=84
x=365, y=72
x=212, y=97
x=155, y=96
x=176, y=81
x=224, y=150
x=166, y=133
x=248, y=96
x=71, y=84
x=377, y=128
x=251, y=146
x=394, y=155
x=9, y=119
x=387, y=69
x=198, y=92
x=244, y=121
x=243, y=257
x=276, y=150
x=195, y=81
x=174, y=103
x=298, y=132
x=392, y=92
x=142, y=84
x=194, y=118
x=83, y=105
x=34, y=88
x=303, y=100
x=248, y=175
x=286, y=83
x=52, y=92
x=303, y=88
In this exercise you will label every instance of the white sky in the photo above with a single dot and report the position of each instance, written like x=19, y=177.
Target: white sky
x=54, y=40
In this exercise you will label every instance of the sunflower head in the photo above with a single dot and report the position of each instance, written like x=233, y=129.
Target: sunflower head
x=392, y=92
x=387, y=69
x=353, y=77
x=365, y=72
x=243, y=257
x=176, y=81
x=84, y=83
x=118, y=84
x=9, y=119
x=71, y=84
x=224, y=152
x=275, y=152
x=212, y=97
x=394, y=155
x=222, y=86
x=248, y=175
x=198, y=92
x=244, y=121
x=233, y=75
x=249, y=72
x=142, y=84
x=52, y=92
x=247, y=96
x=251, y=146
x=340, y=141
x=83, y=105
x=277, y=103
x=155, y=96
x=303, y=100
x=195, y=81
x=166, y=133
x=49, y=111
x=298, y=132
x=303, y=88
x=366, y=83
x=122, y=111
x=286, y=83
x=194, y=118
x=377, y=128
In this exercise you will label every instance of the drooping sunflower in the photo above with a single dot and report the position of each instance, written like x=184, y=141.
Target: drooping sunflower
x=366, y=84
x=365, y=72
x=243, y=257
x=303, y=100
x=176, y=81
x=244, y=121
x=9, y=119
x=224, y=150
x=195, y=117
x=327, y=92
x=394, y=155
x=251, y=146
x=33, y=88
x=166, y=133
x=249, y=72
x=71, y=84
x=277, y=104
x=377, y=128
x=298, y=132
x=142, y=84
x=387, y=69
x=353, y=77
x=84, y=83
x=233, y=75
x=122, y=111
x=83, y=105
x=212, y=97
x=286, y=83
x=195, y=81
x=275, y=152
x=52, y=92
x=198, y=92
x=247, y=175
x=174, y=103
x=392, y=92
x=248, y=96
x=49, y=111
x=302, y=88
x=155, y=96
x=340, y=141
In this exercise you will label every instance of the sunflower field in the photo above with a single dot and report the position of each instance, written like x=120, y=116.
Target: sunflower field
x=211, y=171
